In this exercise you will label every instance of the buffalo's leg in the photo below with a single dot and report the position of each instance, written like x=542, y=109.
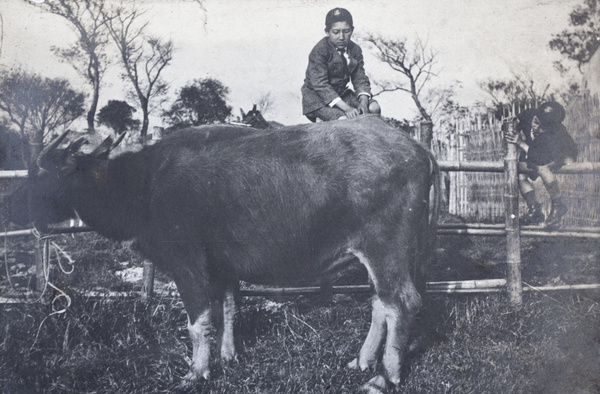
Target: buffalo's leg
x=400, y=312
x=200, y=335
x=194, y=291
x=369, y=352
x=387, y=257
x=226, y=309
x=400, y=302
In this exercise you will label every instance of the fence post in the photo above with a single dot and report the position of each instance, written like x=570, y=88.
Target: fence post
x=426, y=131
x=513, y=240
x=41, y=247
x=148, y=280
x=41, y=252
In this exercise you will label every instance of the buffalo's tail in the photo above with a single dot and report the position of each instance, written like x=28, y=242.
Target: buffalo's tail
x=427, y=231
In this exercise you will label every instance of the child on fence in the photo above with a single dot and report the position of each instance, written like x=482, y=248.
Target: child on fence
x=333, y=63
x=545, y=148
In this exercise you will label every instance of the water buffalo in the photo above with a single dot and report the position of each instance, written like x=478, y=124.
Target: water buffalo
x=218, y=204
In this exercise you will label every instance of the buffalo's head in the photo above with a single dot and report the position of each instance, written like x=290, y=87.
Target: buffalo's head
x=46, y=195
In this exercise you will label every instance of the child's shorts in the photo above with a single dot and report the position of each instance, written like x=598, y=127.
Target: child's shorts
x=547, y=148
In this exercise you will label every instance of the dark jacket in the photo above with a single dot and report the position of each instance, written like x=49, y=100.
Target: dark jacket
x=327, y=78
x=555, y=144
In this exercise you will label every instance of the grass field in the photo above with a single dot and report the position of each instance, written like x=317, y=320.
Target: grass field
x=460, y=344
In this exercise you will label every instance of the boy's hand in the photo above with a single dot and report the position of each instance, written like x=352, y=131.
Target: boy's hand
x=515, y=138
x=363, y=104
x=350, y=111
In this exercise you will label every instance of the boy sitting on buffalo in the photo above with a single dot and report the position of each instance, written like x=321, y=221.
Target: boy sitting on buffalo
x=333, y=63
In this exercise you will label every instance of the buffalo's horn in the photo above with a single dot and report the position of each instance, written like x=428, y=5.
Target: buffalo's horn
x=50, y=148
x=118, y=141
x=76, y=145
x=103, y=149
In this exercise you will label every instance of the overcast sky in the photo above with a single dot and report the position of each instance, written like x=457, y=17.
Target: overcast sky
x=261, y=46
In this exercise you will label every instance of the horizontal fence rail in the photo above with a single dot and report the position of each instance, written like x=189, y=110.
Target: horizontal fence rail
x=498, y=166
x=465, y=287
x=442, y=229
x=52, y=231
x=13, y=174
x=540, y=233
x=463, y=166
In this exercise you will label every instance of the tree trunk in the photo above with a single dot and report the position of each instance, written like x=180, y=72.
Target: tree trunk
x=24, y=159
x=36, y=143
x=91, y=115
x=145, y=121
x=94, y=76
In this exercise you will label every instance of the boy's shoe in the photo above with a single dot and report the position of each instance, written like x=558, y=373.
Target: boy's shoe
x=533, y=216
x=558, y=211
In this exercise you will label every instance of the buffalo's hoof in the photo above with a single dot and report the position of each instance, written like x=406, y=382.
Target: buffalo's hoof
x=377, y=385
x=194, y=376
x=363, y=365
x=228, y=354
x=353, y=364
x=228, y=358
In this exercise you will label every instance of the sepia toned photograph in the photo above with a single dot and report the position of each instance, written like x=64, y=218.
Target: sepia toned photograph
x=300, y=196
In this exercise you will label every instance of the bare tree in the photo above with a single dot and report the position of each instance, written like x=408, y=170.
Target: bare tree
x=88, y=54
x=143, y=57
x=501, y=91
x=436, y=101
x=265, y=103
x=57, y=105
x=38, y=105
x=520, y=91
x=416, y=63
x=16, y=99
x=536, y=93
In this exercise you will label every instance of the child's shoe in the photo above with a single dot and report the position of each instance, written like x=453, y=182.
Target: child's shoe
x=558, y=211
x=533, y=216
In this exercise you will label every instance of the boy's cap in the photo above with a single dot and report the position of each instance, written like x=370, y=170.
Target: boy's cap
x=338, y=15
x=550, y=112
